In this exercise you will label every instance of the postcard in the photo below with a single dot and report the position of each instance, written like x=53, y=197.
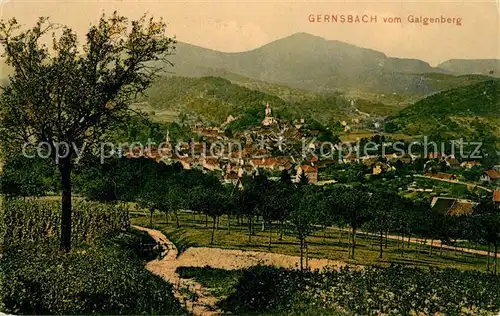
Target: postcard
x=214, y=157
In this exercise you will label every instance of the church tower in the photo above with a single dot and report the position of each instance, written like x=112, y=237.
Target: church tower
x=268, y=110
x=269, y=119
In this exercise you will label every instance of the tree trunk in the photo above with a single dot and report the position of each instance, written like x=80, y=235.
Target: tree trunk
x=386, y=238
x=301, y=254
x=348, y=244
x=495, y=266
x=307, y=254
x=176, y=213
x=206, y=221
x=151, y=212
x=381, y=244
x=66, y=206
x=213, y=230
x=408, y=244
x=228, y=223
x=432, y=242
x=488, y=259
x=281, y=229
x=249, y=229
x=353, y=241
x=402, y=244
x=270, y=235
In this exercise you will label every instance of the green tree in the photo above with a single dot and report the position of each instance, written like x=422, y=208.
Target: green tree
x=383, y=206
x=303, y=215
x=22, y=176
x=69, y=97
x=355, y=210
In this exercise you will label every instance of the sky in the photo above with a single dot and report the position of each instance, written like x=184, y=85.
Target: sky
x=233, y=26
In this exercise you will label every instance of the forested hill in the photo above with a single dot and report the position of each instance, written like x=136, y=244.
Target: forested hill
x=213, y=99
x=468, y=110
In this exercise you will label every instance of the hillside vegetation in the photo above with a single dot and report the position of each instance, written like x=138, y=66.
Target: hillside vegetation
x=468, y=111
x=213, y=99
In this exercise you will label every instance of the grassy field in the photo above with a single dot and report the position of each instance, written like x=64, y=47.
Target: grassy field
x=329, y=244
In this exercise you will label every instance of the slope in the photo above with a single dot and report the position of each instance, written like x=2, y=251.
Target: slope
x=213, y=99
x=472, y=110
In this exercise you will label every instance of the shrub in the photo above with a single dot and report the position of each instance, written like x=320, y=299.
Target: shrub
x=393, y=290
x=264, y=289
x=99, y=278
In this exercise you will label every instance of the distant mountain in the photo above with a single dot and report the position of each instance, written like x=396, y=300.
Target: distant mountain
x=471, y=110
x=489, y=67
x=310, y=62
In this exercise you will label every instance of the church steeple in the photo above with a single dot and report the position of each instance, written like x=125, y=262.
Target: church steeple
x=269, y=119
x=268, y=110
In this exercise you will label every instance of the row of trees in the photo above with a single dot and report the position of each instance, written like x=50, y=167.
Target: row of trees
x=281, y=204
x=305, y=208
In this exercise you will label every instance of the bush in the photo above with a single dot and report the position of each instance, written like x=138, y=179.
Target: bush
x=99, y=278
x=265, y=289
x=394, y=290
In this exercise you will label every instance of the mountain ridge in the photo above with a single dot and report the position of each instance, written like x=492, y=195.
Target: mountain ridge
x=313, y=63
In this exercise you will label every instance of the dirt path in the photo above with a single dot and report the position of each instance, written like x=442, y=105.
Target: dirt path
x=215, y=258
x=201, y=304
x=229, y=259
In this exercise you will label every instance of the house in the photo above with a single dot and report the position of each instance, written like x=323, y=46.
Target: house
x=496, y=197
x=283, y=163
x=470, y=164
x=491, y=175
x=208, y=132
x=452, y=206
x=264, y=163
x=231, y=178
x=378, y=168
x=453, y=163
x=310, y=172
x=351, y=157
x=442, y=176
x=434, y=155
x=211, y=163
x=461, y=207
x=186, y=164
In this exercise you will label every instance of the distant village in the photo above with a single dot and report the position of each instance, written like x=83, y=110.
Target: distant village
x=276, y=147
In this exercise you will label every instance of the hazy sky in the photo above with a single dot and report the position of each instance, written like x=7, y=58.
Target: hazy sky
x=243, y=25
